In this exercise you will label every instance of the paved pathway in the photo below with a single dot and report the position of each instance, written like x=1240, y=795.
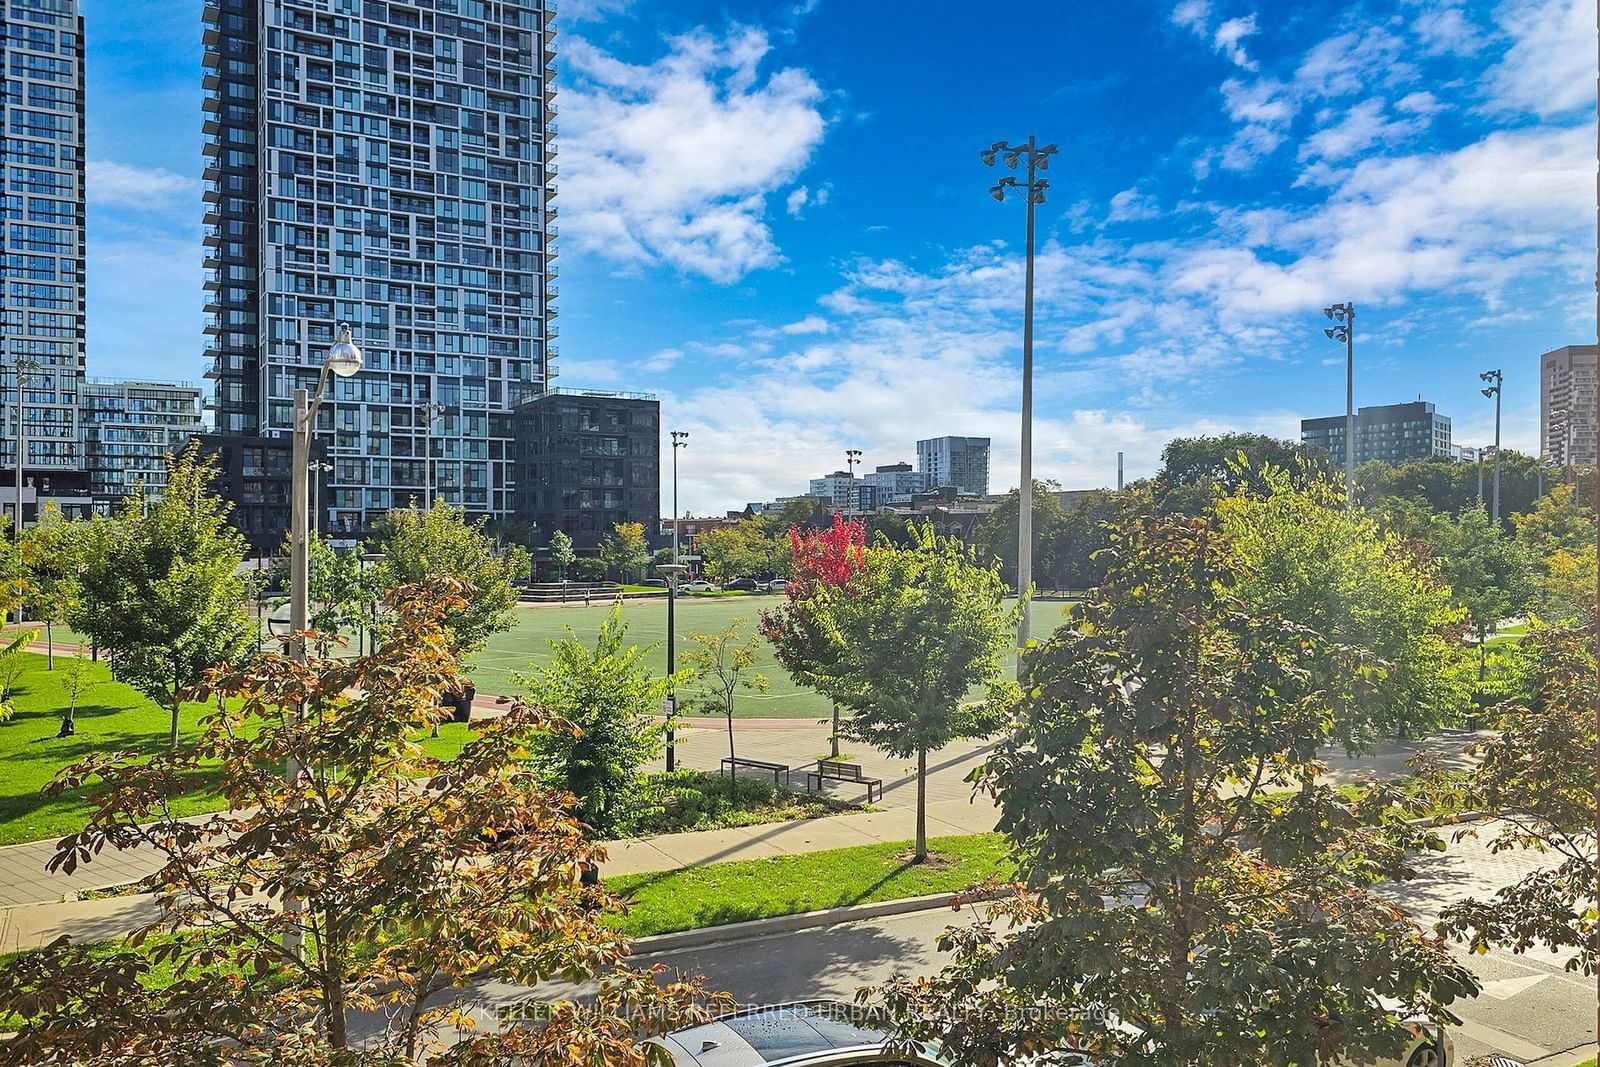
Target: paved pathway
x=35, y=905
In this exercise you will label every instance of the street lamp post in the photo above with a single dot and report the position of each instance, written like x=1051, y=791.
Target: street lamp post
x=1494, y=390
x=1344, y=330
x=852, y=457
x=680, y=439
x=24, y=364
x=344, y=359
x=426, y=413
x=1038, y=158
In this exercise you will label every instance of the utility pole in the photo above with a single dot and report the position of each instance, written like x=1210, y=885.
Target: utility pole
x=1119, y=472
x=1038, y=158
x=24, y=365
x=852, y=456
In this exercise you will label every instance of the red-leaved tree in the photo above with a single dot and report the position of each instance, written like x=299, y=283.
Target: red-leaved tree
x=825, y=564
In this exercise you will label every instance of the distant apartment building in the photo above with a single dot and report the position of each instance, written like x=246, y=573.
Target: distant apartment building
x=1393, y=433
x=887, y=485
x=129, y=429
x=1567, y=382
x=389, y=166
x=42, y=269
x=962, y=462
x=584, y=461
x=836, y=490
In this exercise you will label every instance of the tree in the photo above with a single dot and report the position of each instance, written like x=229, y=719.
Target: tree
x=592, y=569
x=996, y=537
x=801, y=635
x=719, y=666
x=77, y=679
x=1448, y=486
x=1535, y=775
x=757, y=546
x=561, y=554
x=409, y=876
x=54, y=589
x=1488, y=572
x=1308, y=558
x=1190, y=893
x=419, y=545
x=912, y=632
x=1197, y=470
x=604, y=700
x=161, y=590
x=624, y=551
x=1556, y=523
x=339, y=589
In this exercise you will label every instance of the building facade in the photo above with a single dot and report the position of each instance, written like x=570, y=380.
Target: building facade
x=129, y=429
x=1393, y=433
x=42, y=268
x=961, y=462
x=586, y=461
x=387, y=165
x=889, y=484
x=1567, y=382
x=837, y=490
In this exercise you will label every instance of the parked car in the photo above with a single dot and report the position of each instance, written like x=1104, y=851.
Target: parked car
x=778, y=585
x=823, y=1033
x=697, y=585
x=748, y=585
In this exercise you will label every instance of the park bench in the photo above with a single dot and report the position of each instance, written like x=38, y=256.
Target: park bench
x=840, y=771
x=731, y=765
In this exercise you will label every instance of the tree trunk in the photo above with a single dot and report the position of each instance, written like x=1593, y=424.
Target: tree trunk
x=922, y=804
x=833, y=739
x=173, y=741
x=732, y=770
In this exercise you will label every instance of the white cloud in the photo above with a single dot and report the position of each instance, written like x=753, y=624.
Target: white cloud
x=120, y=185
x=661, y=361
x=1193, y=15
x=1227, y=38
x=797, y=200
x=573, y=11
x=1131, y=205
x=1447, y=31
x=579, y=373
x=673, y=161
x=1359, y=128
x=1549, y=68
x=809, y=324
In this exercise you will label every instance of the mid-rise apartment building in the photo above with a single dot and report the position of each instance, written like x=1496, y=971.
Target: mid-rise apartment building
x=129, y=429
x=387, y=165
x=42, y=265
x=1393, y=433
x=1567, y=382
x=836, y=490
x=961, y=462
x=586, y=461
x=889, y=484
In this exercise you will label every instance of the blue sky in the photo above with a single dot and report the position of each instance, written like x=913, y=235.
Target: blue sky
x=773, y=215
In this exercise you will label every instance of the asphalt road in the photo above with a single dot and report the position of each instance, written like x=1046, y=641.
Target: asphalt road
x=1531, y=1008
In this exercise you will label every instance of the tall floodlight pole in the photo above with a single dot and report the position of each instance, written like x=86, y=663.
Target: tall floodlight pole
x=427, y=411
x=1344, y=329
x=1038, y=158
x=852, y=456
x=344, y=359
x=1494, y=390
x=1596, y=478
x=24, y=364
x=680, y=439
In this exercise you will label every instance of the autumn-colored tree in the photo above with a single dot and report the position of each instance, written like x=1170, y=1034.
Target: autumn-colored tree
x=402, y=875
x=905, y=638
x=823, y=562
x=1190, y=892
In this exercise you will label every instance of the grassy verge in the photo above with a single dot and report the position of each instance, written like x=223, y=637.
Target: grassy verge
x=669, y=803
x=111, y=717
x=720, y=893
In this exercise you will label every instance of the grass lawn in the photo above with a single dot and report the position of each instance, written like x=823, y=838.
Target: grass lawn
x=529, y=642
x=719, y=893
x=111, y=717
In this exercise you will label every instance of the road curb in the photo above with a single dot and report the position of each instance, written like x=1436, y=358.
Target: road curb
x=704, y=936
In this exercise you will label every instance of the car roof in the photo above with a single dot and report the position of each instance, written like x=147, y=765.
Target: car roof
x=779, y=1034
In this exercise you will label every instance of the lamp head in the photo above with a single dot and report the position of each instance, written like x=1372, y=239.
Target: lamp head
x=1488, y=392
x=998, y=192
x=1489, y=375
x=1013, y=157
x=344, y=358
x=1329, y=332
x=987, y=155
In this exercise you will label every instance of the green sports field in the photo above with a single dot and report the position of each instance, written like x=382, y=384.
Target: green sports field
x=529, y=642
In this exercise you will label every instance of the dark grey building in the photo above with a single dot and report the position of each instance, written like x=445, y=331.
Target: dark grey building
x=961, y=462
x=1390, y=432
x=42, y=268
x=384, y=164
x=585, y=461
